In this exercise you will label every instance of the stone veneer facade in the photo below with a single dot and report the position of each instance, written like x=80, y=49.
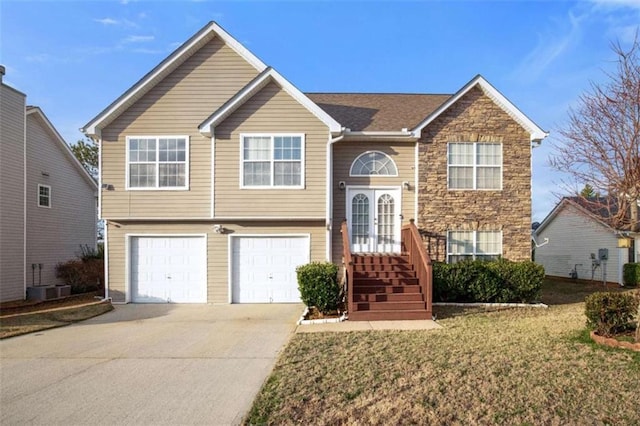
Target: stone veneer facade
x=476, y=118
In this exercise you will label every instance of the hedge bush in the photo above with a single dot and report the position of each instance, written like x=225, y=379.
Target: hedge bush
x=86, y=273
x=82, y=276
x=608, y=313
x=319, y=286
x=499, y=281
x=631, y=274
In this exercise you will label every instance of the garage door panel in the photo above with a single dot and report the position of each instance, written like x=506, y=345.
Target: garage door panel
x=168, y=269
x=263, y=268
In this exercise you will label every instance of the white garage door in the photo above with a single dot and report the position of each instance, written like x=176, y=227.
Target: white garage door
x=168, y=270
x=263, y=269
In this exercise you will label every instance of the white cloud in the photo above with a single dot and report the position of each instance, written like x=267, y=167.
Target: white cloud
x=633, y=4
x=38, y=58
x=116, y=22
x=106, y=21
x=550, y=48
x=138, y=39
x=148, y=51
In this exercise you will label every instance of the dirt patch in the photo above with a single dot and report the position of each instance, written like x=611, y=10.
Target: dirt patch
x=560, y=292
x=314, y=314
x=24, y=306
x=29, y=322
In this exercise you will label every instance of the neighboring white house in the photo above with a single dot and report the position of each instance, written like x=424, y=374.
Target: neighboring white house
x=47, y=199
x=570, y=238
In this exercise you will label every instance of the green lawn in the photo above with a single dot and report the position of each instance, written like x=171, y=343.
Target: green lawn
x=512, y=366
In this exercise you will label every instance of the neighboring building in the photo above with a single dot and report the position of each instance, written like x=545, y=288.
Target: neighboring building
x=47, y=199
x=570, y=239
x=220, y=175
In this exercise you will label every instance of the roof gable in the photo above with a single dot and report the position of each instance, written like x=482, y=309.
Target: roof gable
x=599, y=215
x=168, y=65
x=536, y=133
x=253, y=87
x=66, y=150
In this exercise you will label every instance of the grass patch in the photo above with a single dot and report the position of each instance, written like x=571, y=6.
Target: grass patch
x=38, y=321
x=515, y=366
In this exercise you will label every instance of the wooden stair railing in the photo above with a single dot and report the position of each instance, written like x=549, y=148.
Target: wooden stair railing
x=347, y=261
x=414, y=246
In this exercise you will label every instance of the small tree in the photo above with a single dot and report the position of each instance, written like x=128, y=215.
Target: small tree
x=588, y=192
x=86, y=151
x=601, y=143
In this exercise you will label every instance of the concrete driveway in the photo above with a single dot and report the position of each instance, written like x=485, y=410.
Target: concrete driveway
x=145, y=365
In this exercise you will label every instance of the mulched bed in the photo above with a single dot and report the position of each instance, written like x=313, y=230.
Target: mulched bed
x=314, y=313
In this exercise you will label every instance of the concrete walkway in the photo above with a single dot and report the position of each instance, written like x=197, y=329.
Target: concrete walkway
x=145, y=365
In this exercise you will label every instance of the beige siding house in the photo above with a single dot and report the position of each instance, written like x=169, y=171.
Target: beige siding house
x=48, y=200
x=219, y=177
x=570, y=239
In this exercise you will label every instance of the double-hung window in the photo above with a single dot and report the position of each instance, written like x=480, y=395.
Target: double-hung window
x=44, y=196
x=472, y=245
x=475, y=166
x=157, y=162
x=272, y=161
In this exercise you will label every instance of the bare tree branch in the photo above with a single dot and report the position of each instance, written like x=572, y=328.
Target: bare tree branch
x=601, y=142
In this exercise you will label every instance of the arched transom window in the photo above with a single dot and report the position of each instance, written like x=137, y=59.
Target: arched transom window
x=373, y=163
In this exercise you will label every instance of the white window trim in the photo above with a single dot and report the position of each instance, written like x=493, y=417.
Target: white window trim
x=157, y=187
x=273, y=136
x=475, y=244
x=351, y=174
x=49, y=196
x=475, y=167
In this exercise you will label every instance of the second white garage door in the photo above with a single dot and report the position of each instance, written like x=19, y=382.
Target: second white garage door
x=263, y=269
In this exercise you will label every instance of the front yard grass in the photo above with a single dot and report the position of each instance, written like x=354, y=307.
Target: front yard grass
x=513, y=366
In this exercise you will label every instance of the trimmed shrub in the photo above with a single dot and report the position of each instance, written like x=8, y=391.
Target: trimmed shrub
x=608, y=313
x=451, y=281
x=318, y=285
x=84, y=274
x=499, y=281
x=631, y=274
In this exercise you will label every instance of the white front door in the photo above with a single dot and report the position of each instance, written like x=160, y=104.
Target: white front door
x=374, y=219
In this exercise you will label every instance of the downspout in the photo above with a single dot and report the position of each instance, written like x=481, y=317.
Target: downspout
x=329, y=195
x=106, y=260
x=213, y=178
x=24, y=204
x=416, y=176
x=105, y=225
x=99, y=141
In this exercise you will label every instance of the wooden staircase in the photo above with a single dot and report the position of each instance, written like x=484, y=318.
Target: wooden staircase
x=385, y=287
x=389, y=286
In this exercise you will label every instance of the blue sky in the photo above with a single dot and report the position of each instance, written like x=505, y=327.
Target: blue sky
x=73, y=58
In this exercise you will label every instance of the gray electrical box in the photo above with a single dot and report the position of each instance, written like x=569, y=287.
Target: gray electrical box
x=603, y=254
